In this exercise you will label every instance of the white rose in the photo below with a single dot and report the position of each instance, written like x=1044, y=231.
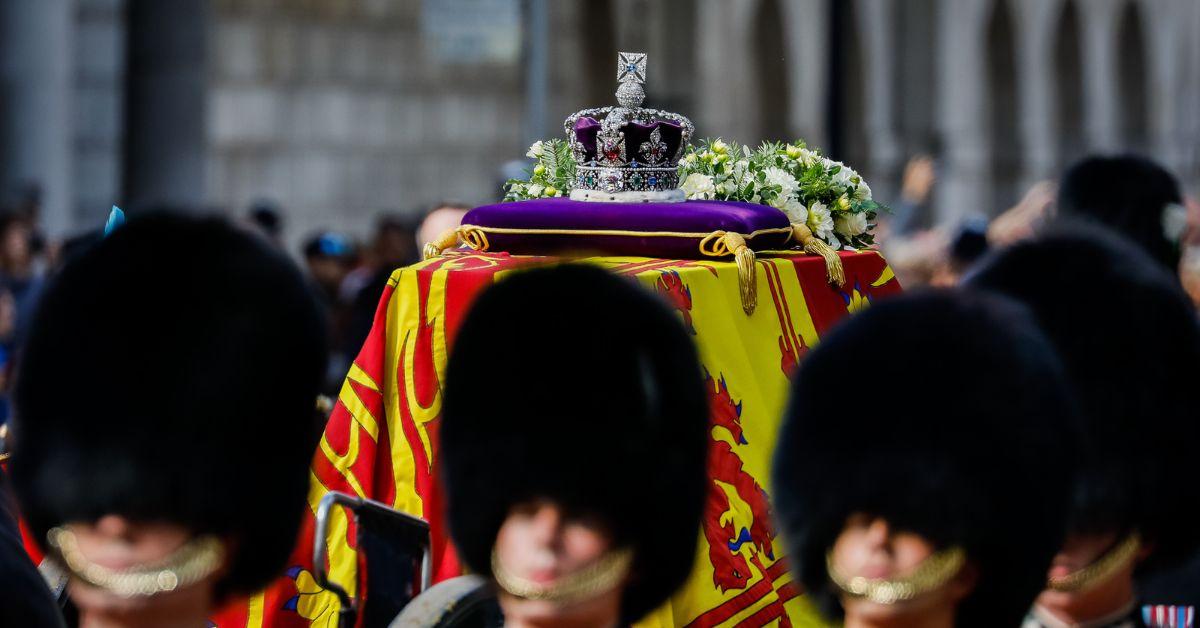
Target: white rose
x=536, y=150
x=783, y=179
x=534, y=190
x=729, y=187
x=698, y=186
x=850, y=224
x=863, y=193
x=820, y=222
x=796, y=211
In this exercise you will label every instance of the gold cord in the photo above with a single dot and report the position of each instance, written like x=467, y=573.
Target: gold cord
x=195, y=561
x=932, y=574
x=1100, y=570
x=601, y=576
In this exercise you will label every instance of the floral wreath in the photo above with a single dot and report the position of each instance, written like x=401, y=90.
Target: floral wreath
x=827, y=196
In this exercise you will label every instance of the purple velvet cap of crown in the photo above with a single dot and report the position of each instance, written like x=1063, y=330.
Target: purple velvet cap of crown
x=636, y=133
x=700, y=217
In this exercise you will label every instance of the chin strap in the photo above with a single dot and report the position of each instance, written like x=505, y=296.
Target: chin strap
x=1101, y=569
x=198, y=559
x=602, y=576
x=932, y=574
x=813, y=245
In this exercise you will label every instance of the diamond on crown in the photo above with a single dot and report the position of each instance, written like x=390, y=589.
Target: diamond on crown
x=627, y=148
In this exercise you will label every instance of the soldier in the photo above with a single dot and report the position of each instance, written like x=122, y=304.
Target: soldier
x=573, y=447
x=1129, y=339
x=923, y=465
x=165, y=421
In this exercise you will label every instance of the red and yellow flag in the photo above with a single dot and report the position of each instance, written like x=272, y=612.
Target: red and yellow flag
x=381, y=439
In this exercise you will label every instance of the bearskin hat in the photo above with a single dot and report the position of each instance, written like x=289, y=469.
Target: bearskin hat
x=1128, y=194
x=945, y=414
x=572, y=384
x=171, y=375
x=1130, y=344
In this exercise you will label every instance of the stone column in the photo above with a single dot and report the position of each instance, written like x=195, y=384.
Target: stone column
x=808, y=62
x=1098, y=19
x=1167, y=65
x=1036, y=25
x=877, y=28
x=166, y=143
x=36, y=72
x=725, y=80
x=964, y=186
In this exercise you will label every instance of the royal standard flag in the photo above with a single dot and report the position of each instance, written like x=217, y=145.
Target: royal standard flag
x=381, y=439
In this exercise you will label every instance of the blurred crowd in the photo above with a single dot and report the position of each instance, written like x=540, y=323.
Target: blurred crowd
x=1131, y=194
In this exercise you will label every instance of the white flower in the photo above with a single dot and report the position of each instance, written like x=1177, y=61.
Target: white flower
x=796, y=211
x=850, y=224
x=728, y=187
x=536, y=150
x=534, y=190
x=781, y=177
x=863, y=193
x=779, y=202
x=698, y=186
x=844, y=178
x=820, y=222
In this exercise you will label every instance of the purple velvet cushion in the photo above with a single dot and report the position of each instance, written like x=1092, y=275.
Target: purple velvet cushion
x=671, y=230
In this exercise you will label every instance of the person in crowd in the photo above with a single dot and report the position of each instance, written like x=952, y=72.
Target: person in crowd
x=265, y=219
x=328, y=256
x=575, y=485
x=443, y=217
x=968, y=246
x=1132, y=195
x=165, y=420
x=938, y=499
x=19, y=276
x=1129, y=338
x=393, y=246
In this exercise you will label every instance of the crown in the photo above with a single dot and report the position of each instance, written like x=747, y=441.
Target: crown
x=627, y=153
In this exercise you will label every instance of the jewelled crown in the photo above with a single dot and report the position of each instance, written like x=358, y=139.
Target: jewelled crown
x=627, y=153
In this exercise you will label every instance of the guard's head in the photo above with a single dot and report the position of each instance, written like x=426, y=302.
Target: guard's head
x=927, y=428
x=1128, y=194
x=166, y=394
x=1129, y=340
x=573, y=433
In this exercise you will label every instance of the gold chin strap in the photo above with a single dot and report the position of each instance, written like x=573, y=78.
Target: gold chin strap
x=1100, y=570
x=601, y=576
x=195, y=561
x=932, y=574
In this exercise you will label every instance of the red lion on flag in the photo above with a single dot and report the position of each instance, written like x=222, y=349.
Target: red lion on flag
x=737, y=512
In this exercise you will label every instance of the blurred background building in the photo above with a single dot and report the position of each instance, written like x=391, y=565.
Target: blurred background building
x=336, y=110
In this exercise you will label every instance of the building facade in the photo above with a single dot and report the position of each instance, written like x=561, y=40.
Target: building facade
x=339, y=109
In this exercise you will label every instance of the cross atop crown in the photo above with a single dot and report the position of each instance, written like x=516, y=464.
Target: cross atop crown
x=631, y=67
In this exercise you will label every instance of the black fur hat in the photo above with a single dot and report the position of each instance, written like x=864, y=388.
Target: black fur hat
x=572, y=384
x=946, y=415
x=170, y=376
x=1130, y=344
x=1128, y=194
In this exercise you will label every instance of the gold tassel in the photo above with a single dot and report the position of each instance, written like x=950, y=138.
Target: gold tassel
x=433, y=249
x=747, y=274
x=723, y=243
x=815, y=246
